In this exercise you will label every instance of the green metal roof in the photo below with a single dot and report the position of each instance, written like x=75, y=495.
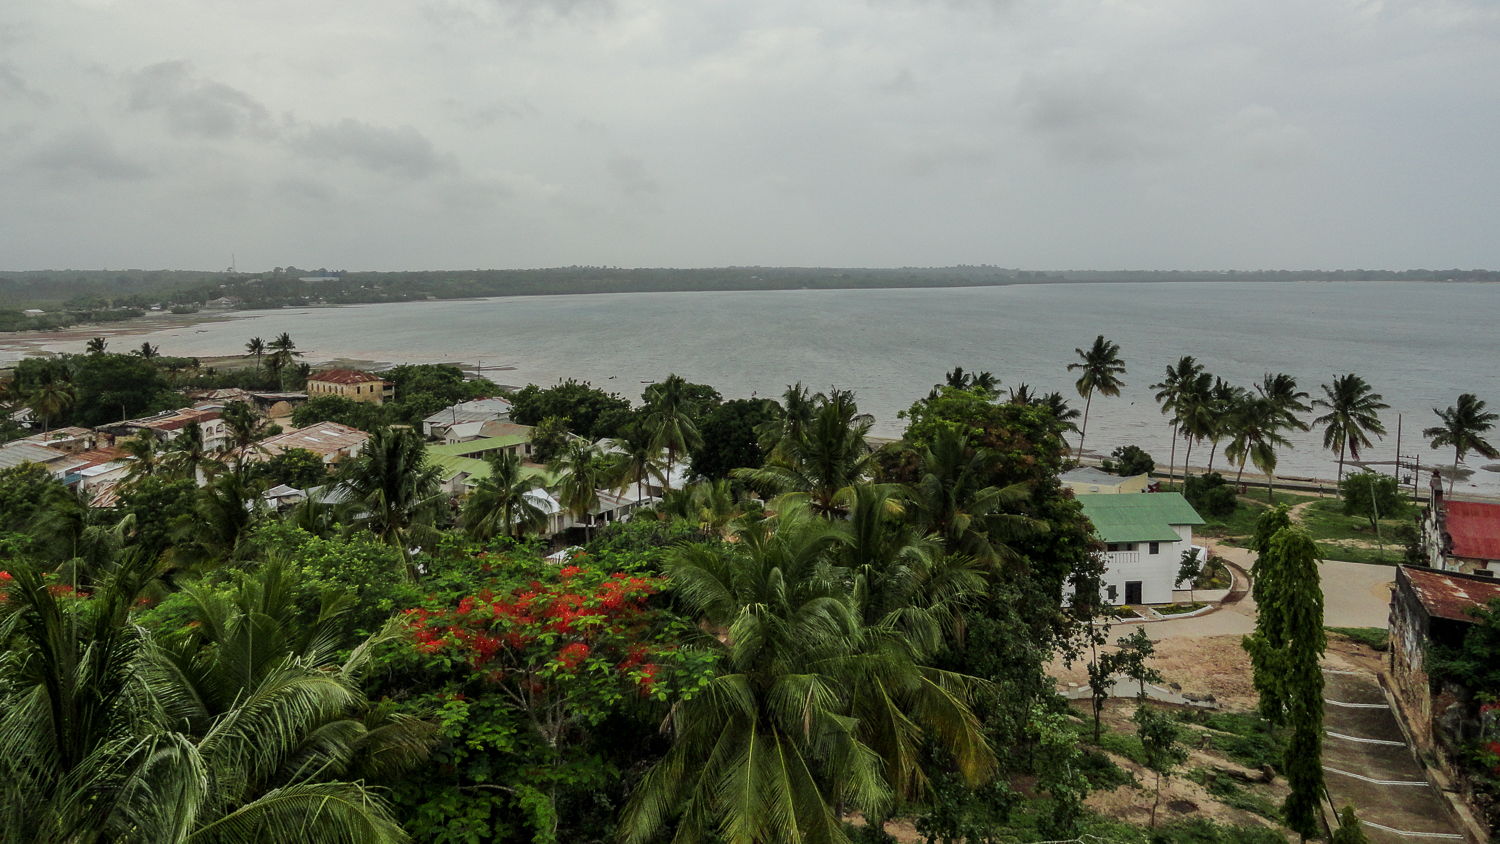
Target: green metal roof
x=1138, y=517
x=477, y=446
x=479, y=468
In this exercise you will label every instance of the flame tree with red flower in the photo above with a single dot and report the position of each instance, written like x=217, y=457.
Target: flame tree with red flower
x=535, y=667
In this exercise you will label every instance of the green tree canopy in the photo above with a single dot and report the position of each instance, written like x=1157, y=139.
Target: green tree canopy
x=591, y=412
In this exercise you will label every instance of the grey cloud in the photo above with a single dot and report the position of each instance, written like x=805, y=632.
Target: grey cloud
x=197, y=107
x=1093, y=118
x=939, y=153
x=14, y=86
x=483, y=118
x=1261, y=138
x=631, y=176
x=903, y=83
x=402, y=151
x=85, y=154
x=305, y=192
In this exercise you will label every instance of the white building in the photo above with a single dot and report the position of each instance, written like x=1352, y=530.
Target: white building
x=1144, y=537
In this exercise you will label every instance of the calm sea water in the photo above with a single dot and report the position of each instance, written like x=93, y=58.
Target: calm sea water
x=1417, y=344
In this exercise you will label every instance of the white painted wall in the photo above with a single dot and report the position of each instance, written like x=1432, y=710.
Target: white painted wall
x=1156, y=572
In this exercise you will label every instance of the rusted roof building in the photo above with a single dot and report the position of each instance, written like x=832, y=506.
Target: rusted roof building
x=1462, y=536
x=1429, y=608
x=351, y=384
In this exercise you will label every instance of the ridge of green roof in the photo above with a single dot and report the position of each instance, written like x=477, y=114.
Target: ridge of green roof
x=1138, y=517
x=476, y=446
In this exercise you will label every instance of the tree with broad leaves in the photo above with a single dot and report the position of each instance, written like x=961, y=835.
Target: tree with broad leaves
x=1285, y=649
x=1189, y=570
x=1463, y=428
x=1161, y=741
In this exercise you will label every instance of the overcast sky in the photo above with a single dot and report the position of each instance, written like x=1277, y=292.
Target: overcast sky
x=1060, y=134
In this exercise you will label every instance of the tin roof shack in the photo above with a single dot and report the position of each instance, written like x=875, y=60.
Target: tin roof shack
x=1430, y=608
x=1087, y=480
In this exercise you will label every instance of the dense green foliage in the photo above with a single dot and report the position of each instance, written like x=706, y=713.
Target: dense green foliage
x=1373, y=496
x=1129, y=461
x=1210, y=495
x=588, y=411
x=814, y=629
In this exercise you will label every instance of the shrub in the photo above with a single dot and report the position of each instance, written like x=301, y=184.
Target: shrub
x=1129, y=461
x=1210, y=495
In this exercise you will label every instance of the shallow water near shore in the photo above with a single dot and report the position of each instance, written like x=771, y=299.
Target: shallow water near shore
x=1417, y=344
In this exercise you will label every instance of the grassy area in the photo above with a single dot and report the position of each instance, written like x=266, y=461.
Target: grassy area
x=1179, y=609
x=1226, y=791
x=1375, y=638
x=1338, y=534
x=1246, y=738
x=1239, y=525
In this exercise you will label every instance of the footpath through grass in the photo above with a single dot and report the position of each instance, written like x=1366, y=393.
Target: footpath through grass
x=1345, y=538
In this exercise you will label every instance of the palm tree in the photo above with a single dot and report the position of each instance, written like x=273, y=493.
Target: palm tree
x=985, y=381
x=636, y=458
x=51, y=396
x=95, y=346
x=1063, y=415
x=502, y=504
x=1023, y=394
x=1282, y=390
x=1353, y=414
x=1258, y=422
x=1101, y=369
x=951, y=502
x=1463, y=427
x=186, y=453
x=223, y=515
x=822, y=463
x=1170, y=393
x=283, y=353
x=669, y=413
x=145, y=449
x=798, y=405
x=256, y=347
x=1195, y=414
x=1224, y=398
x=245, y=430
x=812, y=707
x=581, y=472
x=397, y=489
x=108, y=735
x=148, y=351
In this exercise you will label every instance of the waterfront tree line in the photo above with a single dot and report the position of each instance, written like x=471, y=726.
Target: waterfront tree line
x=809, y=628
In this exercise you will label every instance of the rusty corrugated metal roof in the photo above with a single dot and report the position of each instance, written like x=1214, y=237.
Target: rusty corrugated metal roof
x=1447, y=595
x=343, y=376
x=1475, y=528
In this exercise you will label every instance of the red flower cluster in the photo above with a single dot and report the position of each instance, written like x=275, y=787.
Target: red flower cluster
x=571, y=656
x=543, y=628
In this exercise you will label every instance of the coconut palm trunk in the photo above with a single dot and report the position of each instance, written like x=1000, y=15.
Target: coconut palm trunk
x=1172, y=461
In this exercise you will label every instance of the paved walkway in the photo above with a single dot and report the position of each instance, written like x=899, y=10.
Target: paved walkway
x=1354, y=595
x=1367, y=764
